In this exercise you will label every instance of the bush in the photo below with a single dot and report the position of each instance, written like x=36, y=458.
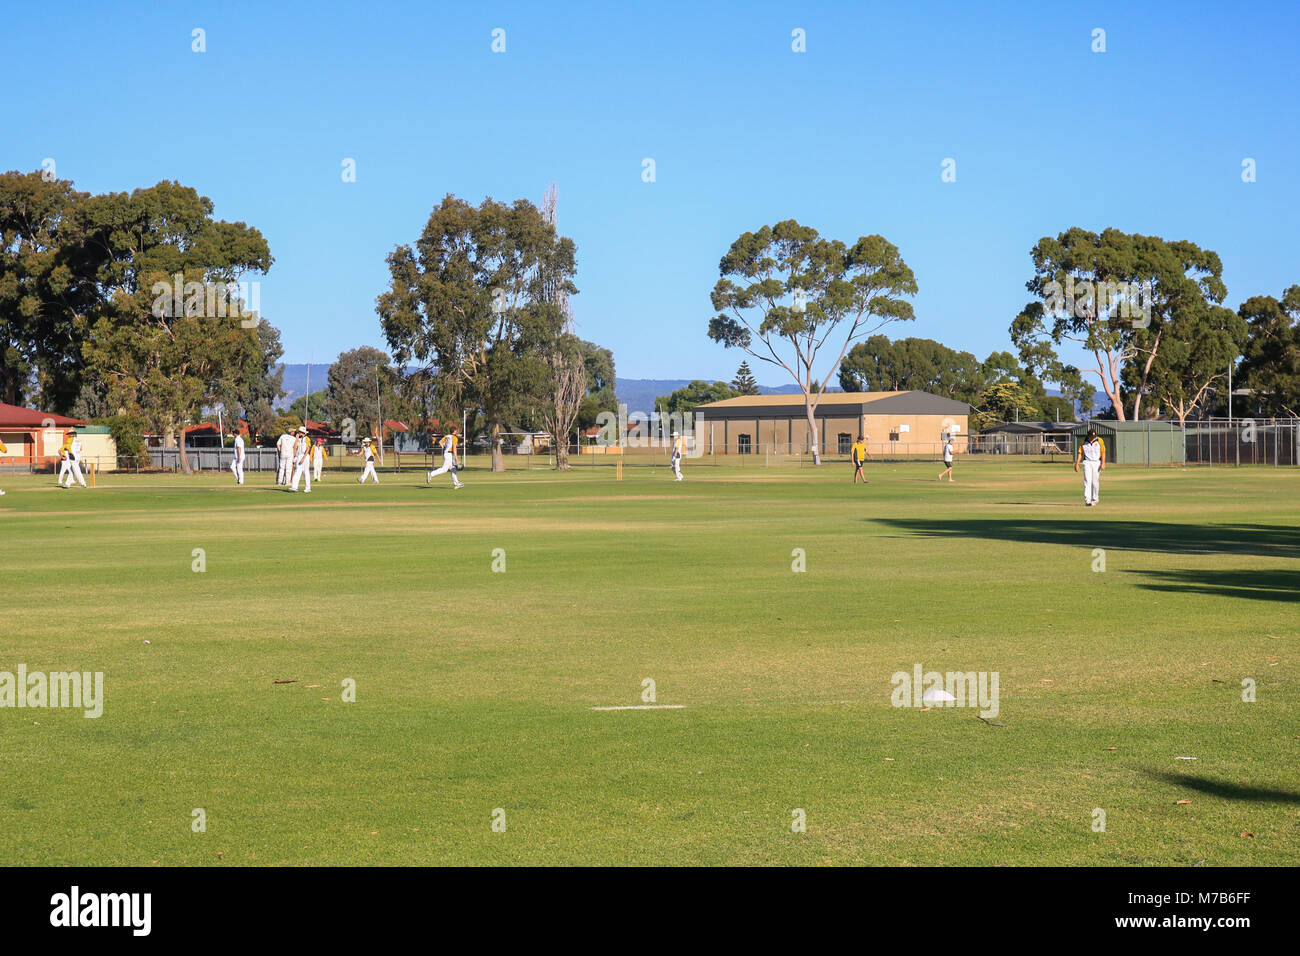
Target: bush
x=128, y=433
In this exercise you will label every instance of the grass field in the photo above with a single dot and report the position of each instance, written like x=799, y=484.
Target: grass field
x=474, y=688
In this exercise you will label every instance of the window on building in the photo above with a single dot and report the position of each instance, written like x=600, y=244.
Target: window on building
x=743, y=445
x=845, y=443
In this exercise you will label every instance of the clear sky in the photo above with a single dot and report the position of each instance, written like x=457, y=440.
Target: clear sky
x=848, y=137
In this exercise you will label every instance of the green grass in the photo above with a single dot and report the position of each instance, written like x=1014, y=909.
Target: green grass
x=475, y=689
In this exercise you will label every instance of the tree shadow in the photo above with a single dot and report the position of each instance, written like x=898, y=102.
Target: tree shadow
x=1257, y=540
x=1227, y=791
x=1274, y=584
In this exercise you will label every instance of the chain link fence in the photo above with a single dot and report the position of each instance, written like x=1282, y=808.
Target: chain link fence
x=1242, y=441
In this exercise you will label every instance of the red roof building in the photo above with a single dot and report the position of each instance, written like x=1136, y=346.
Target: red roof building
x=32, y=437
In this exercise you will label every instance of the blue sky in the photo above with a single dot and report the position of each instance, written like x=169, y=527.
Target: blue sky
x=848, y=137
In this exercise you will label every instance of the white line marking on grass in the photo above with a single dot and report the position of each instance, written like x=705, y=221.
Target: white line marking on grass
x=644, y=707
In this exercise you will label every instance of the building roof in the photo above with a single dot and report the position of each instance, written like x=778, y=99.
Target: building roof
x=1103, y=425
x=1028, y=427
x=15, y=416
x=835, y=403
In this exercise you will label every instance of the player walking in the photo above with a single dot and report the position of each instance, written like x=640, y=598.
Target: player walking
x=948, y=451
x=284, y=450
x=368, y=453
x=859, y=456
x=318, y=458
x=679, y=449
x=450, y=441
x=302, y=459
x=237, y=463
x=74, y=459
x=1092, y=454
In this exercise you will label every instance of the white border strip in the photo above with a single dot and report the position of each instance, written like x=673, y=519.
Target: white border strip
x=644, y=707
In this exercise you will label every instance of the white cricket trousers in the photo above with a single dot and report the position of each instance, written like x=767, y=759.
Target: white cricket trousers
x=448, y=465
x=677, y=466
x=283, y=472
x=316, y=466
x=74, y=471
x=63, y=469
x=301, y=470
x=368, y=472
x=237, y=468
x=1091, y=482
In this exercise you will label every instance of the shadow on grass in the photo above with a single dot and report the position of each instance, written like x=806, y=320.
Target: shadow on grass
x=1270, y=585
x=1275, y=541
x=1228, y=791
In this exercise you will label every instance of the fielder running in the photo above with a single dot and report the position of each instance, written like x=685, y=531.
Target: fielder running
x=284, y=450
x=74, y=459
x=368, y=453
x=237, y=463
x=302, y=460
x=449, y=443
x=679, y=449
x=1092, y=454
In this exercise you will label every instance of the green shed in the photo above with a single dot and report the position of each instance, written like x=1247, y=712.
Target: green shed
x=1136, y=443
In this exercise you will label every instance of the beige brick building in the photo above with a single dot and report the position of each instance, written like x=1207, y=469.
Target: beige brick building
x=904, y=424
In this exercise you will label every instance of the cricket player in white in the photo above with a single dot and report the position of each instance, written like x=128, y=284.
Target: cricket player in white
x=302, y=460
x=1092, y=455
x=449, y=443
x=237, y=463
x=947, y=459
x=679, y=448
x=63, y=457
x=74, y=460
x=368, y=453
x=3, y=451
x=284, y=449
x=317, y=458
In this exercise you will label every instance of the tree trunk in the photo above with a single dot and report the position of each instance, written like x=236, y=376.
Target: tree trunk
x=185, y=460
x=561, y=453
x=498, y=460
x=1146, y=374
x=812, y=430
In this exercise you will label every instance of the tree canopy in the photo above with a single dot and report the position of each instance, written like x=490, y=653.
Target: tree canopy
x=785, y=294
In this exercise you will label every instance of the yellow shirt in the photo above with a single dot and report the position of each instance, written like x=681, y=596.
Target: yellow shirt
x=859, y=451
x=66, y=450
x=449, y=444
x=3, y=449
x=679, y=447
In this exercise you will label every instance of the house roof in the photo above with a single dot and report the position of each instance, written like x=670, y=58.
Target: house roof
x=15, y=416
x=836, y=404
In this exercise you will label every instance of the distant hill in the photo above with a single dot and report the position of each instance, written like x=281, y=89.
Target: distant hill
x=295, y=382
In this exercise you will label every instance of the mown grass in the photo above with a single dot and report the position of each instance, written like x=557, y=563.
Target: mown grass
x=474, y=688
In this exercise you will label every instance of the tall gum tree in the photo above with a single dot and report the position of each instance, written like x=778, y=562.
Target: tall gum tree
x=785, y=293
x=469, y=303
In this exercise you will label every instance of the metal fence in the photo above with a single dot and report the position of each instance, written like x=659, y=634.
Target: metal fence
x=1242, y=441
x=213, y=459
